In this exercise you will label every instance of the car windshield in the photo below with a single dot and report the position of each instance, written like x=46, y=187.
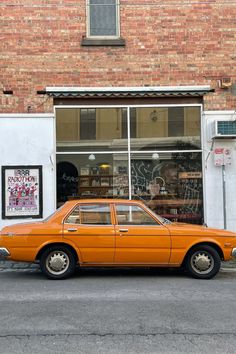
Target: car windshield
x=160, y=218
x=51, y=215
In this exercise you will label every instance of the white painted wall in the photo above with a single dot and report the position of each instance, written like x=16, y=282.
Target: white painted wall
x=29, y=139
x=213, y=175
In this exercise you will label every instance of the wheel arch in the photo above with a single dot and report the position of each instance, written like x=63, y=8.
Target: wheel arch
x=217, y=248
x=52, y=244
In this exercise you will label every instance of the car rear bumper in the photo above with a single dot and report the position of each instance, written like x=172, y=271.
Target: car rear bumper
x=4, y=253
x=233, y=253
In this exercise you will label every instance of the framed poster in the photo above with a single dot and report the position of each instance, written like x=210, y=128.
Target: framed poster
x=22, y=192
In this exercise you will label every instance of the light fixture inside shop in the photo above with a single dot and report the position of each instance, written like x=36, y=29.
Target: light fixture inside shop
x=154, y=115
x=155, y=156
x=92, y=157
x=104, y=165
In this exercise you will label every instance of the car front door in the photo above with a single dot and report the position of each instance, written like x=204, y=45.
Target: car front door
x=140, y=238
x=90, y=227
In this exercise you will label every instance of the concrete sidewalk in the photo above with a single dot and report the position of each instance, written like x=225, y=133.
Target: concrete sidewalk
x=8, y=265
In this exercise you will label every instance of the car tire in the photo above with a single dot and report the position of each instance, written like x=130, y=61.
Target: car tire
x=58, y=262
x=202, y=262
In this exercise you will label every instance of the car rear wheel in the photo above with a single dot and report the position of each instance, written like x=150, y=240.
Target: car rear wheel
x=58, y=262
x=203, y=262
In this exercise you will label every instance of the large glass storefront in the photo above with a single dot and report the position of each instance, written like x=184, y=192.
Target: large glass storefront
x=147, y=153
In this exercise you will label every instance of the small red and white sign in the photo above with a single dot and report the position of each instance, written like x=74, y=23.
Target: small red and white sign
x=222, y=156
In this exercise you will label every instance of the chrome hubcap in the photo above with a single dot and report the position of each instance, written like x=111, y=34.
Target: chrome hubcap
x=57, y=262
x=202, y=262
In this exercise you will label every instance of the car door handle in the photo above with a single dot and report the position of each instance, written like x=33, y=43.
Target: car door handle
x=72, y=230
x=123, y=230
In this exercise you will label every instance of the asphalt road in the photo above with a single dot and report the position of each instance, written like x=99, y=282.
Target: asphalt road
x=115, y=312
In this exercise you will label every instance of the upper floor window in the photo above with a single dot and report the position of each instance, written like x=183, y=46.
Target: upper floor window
x=103, y=18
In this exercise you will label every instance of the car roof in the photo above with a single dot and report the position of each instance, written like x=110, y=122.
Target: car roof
x=100, y=200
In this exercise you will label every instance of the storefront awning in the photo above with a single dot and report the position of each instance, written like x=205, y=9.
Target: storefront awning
x=126, y=92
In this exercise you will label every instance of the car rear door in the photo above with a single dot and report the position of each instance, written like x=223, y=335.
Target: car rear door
x=90, y=227
x=140, y=238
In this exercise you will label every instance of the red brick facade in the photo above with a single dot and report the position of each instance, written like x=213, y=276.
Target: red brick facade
x=188, y=42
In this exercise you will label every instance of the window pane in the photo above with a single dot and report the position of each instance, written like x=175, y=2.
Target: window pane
x=67, y=125
x=90, y=214
x=93, y=129
x=165, y=128
x=74, y=217
x=95, y=214
x=170, y=185
x=92, y=176
x=103, y=18
x=133, y=215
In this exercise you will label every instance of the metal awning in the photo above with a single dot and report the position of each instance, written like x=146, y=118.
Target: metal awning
x=126, y=92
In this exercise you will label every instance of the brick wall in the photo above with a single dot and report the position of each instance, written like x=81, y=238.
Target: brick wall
x=176, y=42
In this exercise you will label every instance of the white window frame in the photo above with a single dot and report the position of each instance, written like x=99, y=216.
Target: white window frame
x=117, y=22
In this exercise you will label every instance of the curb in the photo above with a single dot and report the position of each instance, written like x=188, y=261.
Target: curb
x=8, y=265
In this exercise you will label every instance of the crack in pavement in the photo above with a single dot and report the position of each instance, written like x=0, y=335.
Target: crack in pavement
x=185, y=334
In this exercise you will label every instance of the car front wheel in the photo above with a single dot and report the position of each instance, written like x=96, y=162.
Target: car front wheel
x=203, y=262
x=58, y=262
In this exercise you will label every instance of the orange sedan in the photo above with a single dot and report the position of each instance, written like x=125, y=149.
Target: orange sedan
x=115, y=233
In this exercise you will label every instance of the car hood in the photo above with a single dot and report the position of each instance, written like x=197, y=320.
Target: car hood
x=179, y=228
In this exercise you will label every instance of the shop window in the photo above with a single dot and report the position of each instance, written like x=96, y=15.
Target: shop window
x=165, y=168
x=103, y=18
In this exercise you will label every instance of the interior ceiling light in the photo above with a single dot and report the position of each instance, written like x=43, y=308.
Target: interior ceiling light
x=91, y=157
x=155, y=156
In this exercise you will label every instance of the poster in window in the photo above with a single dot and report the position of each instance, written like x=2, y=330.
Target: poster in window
x=21, y=192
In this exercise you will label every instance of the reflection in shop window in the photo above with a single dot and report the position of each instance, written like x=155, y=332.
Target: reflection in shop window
x=165, y=128
x=168, y=128
x=87, y=124
x=172, y=186
x=86, y=129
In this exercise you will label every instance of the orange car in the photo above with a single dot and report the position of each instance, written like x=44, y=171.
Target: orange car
x=116, y=233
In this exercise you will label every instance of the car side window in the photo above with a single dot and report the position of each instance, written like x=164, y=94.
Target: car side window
x=133, y=215
x=92, y=214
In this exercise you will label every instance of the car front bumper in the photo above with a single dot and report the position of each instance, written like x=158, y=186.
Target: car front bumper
x=4, y=253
